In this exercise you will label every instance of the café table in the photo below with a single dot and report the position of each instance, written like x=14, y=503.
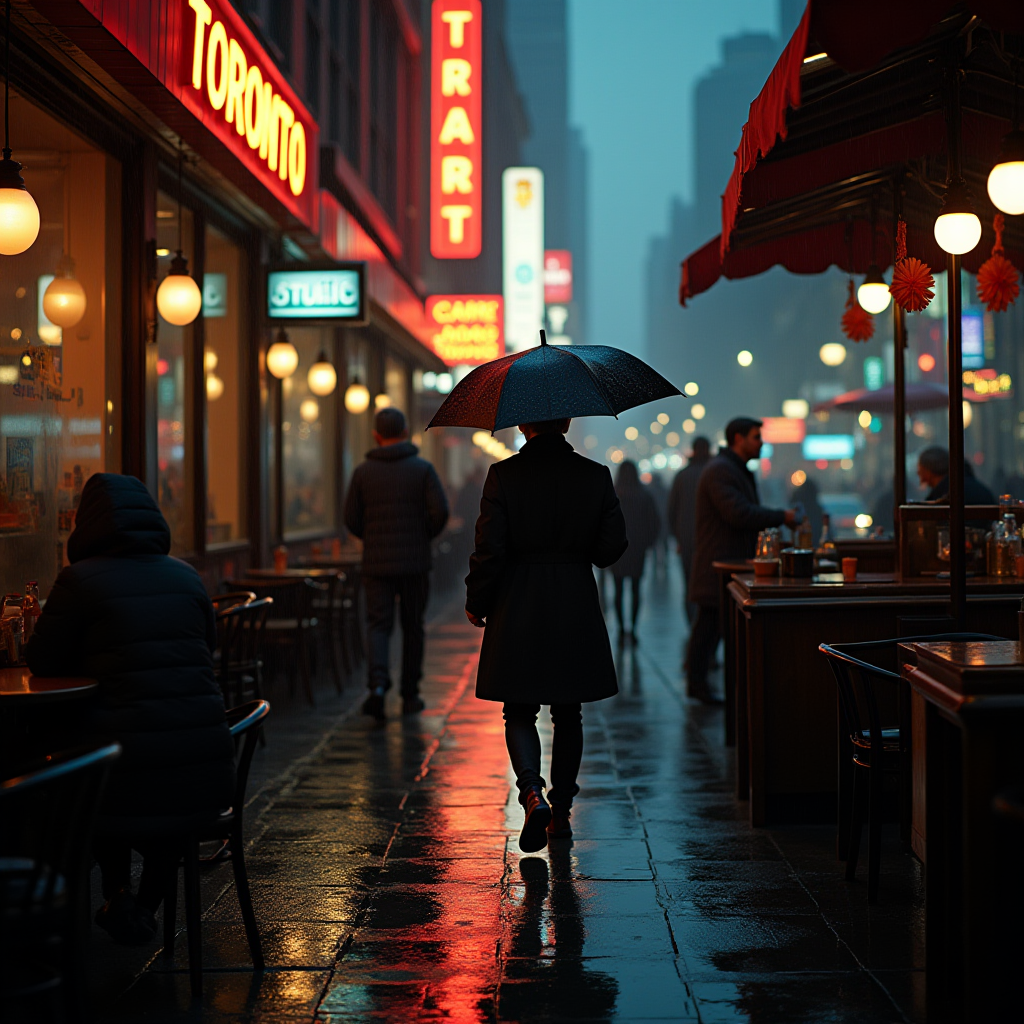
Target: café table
x=18, y=688
x=294, y=573
x=972, y=748
x=787, y=751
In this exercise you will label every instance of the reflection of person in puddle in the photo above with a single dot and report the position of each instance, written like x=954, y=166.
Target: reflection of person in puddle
x=553, y=908
x=546, y=518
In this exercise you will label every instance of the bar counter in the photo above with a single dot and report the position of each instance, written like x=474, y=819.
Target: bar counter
x=785, y=697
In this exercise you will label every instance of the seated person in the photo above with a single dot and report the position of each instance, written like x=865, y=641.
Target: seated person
x=141, y=623
x=933, y=472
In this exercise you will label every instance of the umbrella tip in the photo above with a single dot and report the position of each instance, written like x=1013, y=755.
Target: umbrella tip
x=543, y=338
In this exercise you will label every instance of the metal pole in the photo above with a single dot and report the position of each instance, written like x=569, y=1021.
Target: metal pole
x=899, y=382
x=957, y=534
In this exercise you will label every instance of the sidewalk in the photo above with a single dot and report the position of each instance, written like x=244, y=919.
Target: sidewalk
x=389, y=885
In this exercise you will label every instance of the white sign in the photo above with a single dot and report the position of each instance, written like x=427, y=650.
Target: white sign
x=522, y=191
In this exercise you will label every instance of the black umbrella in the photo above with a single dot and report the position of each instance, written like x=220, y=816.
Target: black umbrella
x=551, y=382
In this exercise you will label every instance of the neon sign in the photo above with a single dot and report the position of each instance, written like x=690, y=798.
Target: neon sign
x=455, y=125
x=467, y=329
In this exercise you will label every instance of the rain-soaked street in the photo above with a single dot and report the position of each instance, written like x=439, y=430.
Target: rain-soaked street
x=389, y=885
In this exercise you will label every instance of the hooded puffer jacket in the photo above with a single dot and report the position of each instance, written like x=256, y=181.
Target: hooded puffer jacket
x=141, y=623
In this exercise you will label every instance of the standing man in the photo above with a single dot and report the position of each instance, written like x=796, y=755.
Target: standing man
x=396, y=506
x=727, y=521
x=547, y=517
x=682, y=511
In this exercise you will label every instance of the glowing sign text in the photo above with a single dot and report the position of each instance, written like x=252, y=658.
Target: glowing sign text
x=468, y=329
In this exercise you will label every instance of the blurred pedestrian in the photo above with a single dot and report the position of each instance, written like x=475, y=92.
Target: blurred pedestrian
x=682, y=509
x=643, y=524
x=141, y=623
x=728, y=518
x=547, y=517
x=657, y=490
x=933, y=472
x=806, y=494
x=396, y=506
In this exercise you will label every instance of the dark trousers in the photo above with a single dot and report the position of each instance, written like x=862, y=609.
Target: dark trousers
x=634, y=588
x=566, y=750
x=114, y=857
x=703, y=643
x=411, y=592
x=688, y=606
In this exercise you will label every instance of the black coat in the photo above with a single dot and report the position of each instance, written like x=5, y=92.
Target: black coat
x=682, y=509
x=727, y=521
x=547, y=515
x=141, y=623
x=643, y=526
x=396, y=506
x=975, y=492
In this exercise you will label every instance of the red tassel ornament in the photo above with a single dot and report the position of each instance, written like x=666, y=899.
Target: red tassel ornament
x=998, y=280
x=912, y=281
x=858, y=323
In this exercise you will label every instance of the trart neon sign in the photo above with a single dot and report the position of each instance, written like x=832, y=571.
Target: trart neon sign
x=455, y=124
x=234, y=84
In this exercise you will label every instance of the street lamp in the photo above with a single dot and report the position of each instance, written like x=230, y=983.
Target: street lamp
x=1006, y=179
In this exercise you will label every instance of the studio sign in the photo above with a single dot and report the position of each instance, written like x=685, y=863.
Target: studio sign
x=235, y=87
x=327, y=294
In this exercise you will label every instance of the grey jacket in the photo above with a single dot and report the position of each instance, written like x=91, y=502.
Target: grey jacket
x=682, y=506
x=727, y=520
x=396, y=506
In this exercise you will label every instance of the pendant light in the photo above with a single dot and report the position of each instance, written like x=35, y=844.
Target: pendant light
x=282, y=358
x=957, y=228
x=873, y=294
x=357, y=397
x=214, y=387
x=178, y=298
x=322, y=377
x=64, y=298
x=19, y=215
x=1006, y=179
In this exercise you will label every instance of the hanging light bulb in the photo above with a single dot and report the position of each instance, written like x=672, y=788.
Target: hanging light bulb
x=178, y=298
x=214, y=387
x=873, y=294
x=210, y=359
x=357, y=397
x=381, y=401
x=19, y=215
x=1006, y=179
x=309, y=410
x=282, y=358
x=64, y=298
x=322, y=377
x=957, y=228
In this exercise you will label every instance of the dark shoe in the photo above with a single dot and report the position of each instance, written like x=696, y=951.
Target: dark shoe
x=374, y=705
x=559, y=827
x=124, y=921
x=534, y=836
x=412, y=705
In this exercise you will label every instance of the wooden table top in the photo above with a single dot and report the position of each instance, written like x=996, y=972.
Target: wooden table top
x=956, y=674
x=20, y=683
x=868, y=585
x=291, y=573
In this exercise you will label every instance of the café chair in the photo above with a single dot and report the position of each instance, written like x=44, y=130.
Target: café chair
x=350, y=623
x=239, y=667
x=325, y=606
x=875, y=747
x=222, y=602
x=244, y=723
x=47, y=819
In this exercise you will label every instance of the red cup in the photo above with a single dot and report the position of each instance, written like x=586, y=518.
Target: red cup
x=849, y=569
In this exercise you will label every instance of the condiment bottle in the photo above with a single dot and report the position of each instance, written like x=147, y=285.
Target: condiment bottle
x=30, y=609
x=280, y=559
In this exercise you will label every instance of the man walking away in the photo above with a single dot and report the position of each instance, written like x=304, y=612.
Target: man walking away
x=396, y=506
x=682, y=511
x=727, y=521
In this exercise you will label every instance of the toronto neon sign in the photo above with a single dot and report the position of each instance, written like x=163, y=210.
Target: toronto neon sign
x=455, y=127
x=242, y=91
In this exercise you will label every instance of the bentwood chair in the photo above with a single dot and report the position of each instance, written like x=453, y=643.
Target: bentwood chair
x=47, y=819
x=240, y=642
x=244, y=723
x=875, y=747
x=222, y=602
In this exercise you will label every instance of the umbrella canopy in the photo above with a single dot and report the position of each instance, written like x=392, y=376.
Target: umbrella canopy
x=551, y=382
x=920, y=397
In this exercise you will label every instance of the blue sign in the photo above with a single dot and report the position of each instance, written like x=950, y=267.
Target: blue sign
x=874, y=373
x=304, y=293
x=972, y=339
x=215, y=295
x=828, y=446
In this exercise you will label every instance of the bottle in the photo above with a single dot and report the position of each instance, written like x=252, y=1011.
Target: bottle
x=280, y=559
x=30, y=609
x=826, y=549
x=804, y=536
x=1007, y=547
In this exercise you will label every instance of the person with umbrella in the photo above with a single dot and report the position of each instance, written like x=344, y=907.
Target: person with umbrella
x=547, y=517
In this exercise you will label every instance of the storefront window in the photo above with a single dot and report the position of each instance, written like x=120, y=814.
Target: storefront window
x=59, y=387
x=396, y=384
x=308, y=465
x=358, y=436
x=224, y=306
x=175, y=472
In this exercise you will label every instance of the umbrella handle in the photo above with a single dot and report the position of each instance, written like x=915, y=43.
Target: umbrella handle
x=543, y=338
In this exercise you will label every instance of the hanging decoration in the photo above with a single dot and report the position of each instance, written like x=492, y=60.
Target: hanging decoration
x=998, y=280
x=858, y=323
x=912, y=281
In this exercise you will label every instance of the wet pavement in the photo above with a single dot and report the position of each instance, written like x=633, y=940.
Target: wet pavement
x=389, y=885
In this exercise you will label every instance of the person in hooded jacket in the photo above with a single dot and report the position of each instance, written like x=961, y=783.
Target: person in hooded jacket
x=141, y=623
x=547, y=516
x=396, y=506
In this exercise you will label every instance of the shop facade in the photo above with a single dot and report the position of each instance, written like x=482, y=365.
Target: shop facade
x=157, y=127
